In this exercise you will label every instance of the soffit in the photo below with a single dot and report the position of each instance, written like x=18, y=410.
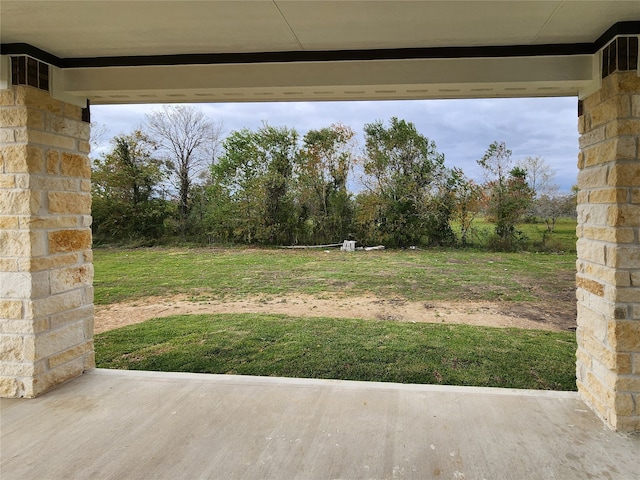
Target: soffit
x=127, y=29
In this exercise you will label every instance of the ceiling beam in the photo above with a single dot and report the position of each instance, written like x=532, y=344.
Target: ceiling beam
x=355, y=80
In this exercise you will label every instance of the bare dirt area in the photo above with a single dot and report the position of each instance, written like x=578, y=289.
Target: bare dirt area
x=557, y=316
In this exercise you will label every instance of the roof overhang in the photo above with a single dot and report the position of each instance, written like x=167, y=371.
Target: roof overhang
x=181, y=51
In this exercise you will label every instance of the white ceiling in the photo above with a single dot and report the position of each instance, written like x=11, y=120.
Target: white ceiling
x=93, y=28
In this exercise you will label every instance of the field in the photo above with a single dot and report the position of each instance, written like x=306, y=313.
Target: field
x=436, y=345
x=422, y=275
x=536, y=237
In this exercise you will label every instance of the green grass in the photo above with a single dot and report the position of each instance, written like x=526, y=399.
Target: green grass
x=416, y=275
x=277, y=345
x=562, y=239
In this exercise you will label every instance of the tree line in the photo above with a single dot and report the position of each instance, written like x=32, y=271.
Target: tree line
x=176, y=177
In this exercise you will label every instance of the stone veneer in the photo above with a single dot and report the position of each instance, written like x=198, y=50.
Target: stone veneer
x=608, y=278
x=46, y=271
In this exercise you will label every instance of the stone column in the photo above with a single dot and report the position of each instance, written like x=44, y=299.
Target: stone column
x=608, y=278
x=46, y=274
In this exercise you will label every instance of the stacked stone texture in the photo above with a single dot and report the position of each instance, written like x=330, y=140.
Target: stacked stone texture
x=608, y=278
x=46, y=271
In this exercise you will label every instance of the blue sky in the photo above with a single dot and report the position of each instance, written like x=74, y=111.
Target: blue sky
x=461, y=129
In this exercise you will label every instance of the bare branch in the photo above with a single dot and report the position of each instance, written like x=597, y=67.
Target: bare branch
x=188, y=140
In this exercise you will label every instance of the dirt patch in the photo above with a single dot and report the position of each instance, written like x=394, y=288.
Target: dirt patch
x=558, y=317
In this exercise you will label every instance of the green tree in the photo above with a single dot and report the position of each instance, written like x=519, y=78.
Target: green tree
x=413, y=187
x=126, y=191
x=278, y=148
x=468, y=203
x=251, y=184
x=235, y=190
x=369, y=211
x=510, y=195
x=323, y=167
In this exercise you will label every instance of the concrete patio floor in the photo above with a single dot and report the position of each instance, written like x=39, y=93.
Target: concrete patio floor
x=112, y=424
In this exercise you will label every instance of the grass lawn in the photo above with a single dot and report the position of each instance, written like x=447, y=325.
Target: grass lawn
x=416, y=275
x=352, y=349
x=276, y=345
